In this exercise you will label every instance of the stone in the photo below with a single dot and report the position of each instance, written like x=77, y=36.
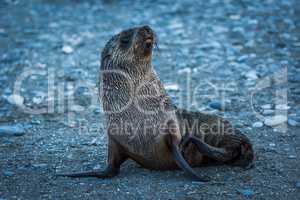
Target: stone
x=295, y=78
x=266, y=106
x=216, y=105
x=257, y=125
x=77, y=108
x=40, y=165
x=184, y=70
x=292, y=122
x=67, y=49
x=282, y=107
x=12, y=130
x=8, y=173
x=15, y=99
x=298, y=184
x=248, y=193
x=275, y=120
x=291, y=156
x=268, y=112
x=251, y=75
x=172, y=87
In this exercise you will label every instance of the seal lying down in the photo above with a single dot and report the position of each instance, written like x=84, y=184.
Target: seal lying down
x=144, y=125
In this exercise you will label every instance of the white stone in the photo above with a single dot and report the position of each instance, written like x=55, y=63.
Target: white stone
x=184, y=70
x=172, y=87
x=251, y=75
x=272, y=144
x=275, y=120
x=15, y=99
x=282, y=107
x=77, y=108
x=268, y=112
x=67, y=49
x=235, y=17
x=266, y=106
x=257, y=125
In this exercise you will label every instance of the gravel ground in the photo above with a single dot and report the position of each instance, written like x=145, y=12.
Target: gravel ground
x=212, y=55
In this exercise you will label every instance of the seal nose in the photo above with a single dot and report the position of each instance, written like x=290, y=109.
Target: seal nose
x=147, y=29
x=147, y=32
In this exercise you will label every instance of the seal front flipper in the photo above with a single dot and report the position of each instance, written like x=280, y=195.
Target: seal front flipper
x=109, y=172
x=116, y=156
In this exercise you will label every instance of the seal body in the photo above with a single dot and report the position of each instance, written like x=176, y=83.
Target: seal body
x=144, y=125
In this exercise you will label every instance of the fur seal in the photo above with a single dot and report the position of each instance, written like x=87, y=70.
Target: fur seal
x=144, y=125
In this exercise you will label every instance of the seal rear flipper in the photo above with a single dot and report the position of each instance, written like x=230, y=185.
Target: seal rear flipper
x=181, y=162
x=109, y=172
x=216, y=153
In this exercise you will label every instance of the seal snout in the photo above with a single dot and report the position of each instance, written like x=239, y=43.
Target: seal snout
x=147, y=35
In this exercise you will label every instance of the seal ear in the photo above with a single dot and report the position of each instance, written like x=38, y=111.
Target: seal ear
x=106, y=61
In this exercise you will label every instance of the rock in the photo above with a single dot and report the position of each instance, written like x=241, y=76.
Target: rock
x=292, y=122
x=67, y=49
x=248, y=193
x=272, y=144
x=292, y=156
x=235, y=17
x=257, y=125
x=266, y=106
x=184, y=70
x=251, y=75
x=77, y=108
x=243, y=58
x=15, y=99
x=12, y=130
x=216, y=105
x=275, y=120
x=97, y=110
x=172, y=87
x=8, y=173
x=268, y=112
x=298, y=184
x=282, y=107
x=39, y=165
x=296, y=78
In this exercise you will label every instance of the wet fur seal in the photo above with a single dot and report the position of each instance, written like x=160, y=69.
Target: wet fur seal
x=144, y=125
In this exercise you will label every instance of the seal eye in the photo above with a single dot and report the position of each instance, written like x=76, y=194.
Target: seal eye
x=125, y=40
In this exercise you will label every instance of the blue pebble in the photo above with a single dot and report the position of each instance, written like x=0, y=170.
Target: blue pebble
x=292, y=122
x=216, y=105
x=248, y=193
x=8, y=173
x=298, y=184
x=12, y=130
